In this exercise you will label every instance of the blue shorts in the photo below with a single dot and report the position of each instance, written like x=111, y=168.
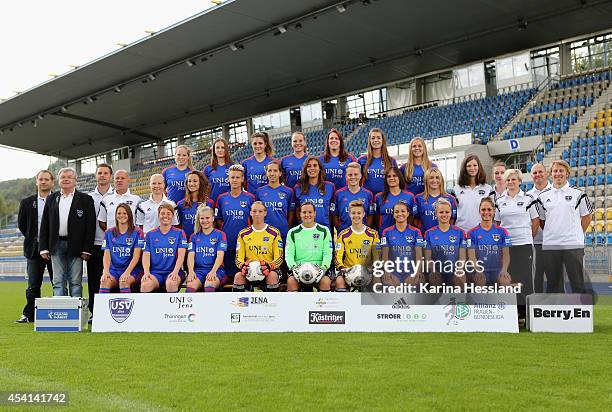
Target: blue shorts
x=161, y=278
x=201, y=275
x=117, y=272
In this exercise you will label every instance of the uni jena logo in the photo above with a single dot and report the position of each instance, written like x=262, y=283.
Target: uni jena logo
x=120, y=308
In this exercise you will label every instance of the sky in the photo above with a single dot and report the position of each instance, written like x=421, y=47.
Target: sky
x=39, y=38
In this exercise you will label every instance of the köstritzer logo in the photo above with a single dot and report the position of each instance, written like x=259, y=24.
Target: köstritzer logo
x=326, y=318
x=120, y=308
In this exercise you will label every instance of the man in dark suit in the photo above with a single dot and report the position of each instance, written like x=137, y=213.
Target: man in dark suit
x=67, y=233
x=29, y=220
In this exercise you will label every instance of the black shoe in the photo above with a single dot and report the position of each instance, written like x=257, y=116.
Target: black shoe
x=24, y=319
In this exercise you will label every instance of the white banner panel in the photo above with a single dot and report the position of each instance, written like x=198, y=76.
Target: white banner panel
x=560, y=313
x=297, y=312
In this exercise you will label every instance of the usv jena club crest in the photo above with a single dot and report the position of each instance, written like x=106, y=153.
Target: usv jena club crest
x=243, y=203
x=452, y=238
x=171, y=240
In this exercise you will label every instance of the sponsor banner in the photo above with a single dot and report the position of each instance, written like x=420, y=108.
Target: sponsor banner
x=298, y=312
x=562, y=313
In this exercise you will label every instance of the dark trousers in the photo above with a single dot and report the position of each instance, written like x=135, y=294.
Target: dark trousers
x=538, y=277
x=35, y=269
x=521, y=271
x=94, y=273
x=555, y=261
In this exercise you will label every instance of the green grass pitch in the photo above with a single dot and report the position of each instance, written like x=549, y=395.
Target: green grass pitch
x=300, y=371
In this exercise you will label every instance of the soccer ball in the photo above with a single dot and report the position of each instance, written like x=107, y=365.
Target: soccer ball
x=254, y=273
x=308, y=273
x=358, y=276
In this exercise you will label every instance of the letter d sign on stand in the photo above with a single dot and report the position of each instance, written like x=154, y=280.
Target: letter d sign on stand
x=515, y=146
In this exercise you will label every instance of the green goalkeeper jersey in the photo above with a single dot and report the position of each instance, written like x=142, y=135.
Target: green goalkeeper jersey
x=309, y=245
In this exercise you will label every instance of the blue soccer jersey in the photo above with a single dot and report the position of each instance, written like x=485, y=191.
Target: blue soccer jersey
x=426, y=213
x=489, y=245
x=186, y=215
x=279, y=202
x=175, y=182
x=384, y=210
x=344, y=197
x=324, y=203
x=401, y=244
x=292, y=168
x=445, y=247
x=205, y=248
x=335, y=170
x=121, y=248
x=255, y=173
x=235, y=213
x=164, y=249
x=217, y=179
x=375, y=181
x=416, y=185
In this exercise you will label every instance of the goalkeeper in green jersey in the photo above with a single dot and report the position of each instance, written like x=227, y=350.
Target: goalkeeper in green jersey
x=308, y=253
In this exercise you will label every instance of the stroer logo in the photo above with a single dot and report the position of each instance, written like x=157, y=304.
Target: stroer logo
x=326, y=318
x=120, y=308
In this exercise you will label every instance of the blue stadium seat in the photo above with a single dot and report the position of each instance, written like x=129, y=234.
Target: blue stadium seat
x=601, y=180
x=601, y=159
x=591, y=181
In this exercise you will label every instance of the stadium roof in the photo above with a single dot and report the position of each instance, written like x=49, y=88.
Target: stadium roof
x=248, y=57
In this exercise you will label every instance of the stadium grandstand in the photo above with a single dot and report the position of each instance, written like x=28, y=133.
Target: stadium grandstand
x=497, y=83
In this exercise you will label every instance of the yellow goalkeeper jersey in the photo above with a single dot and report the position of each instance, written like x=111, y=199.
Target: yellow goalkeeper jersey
x=265, y=244
x=357, y=248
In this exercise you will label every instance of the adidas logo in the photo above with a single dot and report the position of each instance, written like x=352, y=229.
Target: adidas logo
x=401, y=304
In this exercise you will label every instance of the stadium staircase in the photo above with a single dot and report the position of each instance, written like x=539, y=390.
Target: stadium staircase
x=542, y=90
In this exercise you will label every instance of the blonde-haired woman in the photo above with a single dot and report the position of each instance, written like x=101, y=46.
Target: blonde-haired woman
x=417, y=165
x=425, y=216
x=207, y=247
x=175, y=176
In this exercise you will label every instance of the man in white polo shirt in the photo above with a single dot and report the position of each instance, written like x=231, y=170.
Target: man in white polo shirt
x=566, y=213
x=146, y=214
x=539, y=175
x=106, y=215
x=104, y=174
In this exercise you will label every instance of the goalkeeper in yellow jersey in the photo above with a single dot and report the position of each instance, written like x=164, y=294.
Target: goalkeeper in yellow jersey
x=259, y=253
x=355, y=245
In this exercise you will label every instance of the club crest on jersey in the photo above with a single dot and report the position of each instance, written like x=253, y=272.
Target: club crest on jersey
x=495, y=238
x=266, y=238
x=316, y=236
x=366, y=241
x=79, y=213
x=213, y=240
x=452, y=238
x=171, y=240
x=281, y=195
x=520, y=203
x=409, y=239
x=129, y=241
x=243, y=203
x=481, y=192
x=568, y=198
